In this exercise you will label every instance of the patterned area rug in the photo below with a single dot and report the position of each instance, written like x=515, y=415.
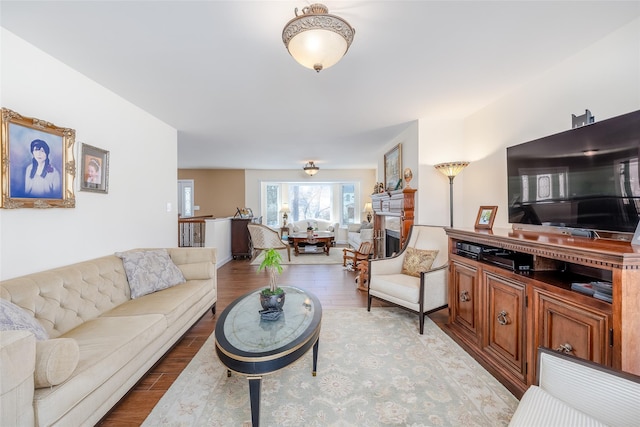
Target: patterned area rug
x=335, y=257
x=374, y=369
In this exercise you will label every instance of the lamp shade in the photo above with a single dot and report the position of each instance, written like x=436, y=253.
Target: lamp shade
x=451, y=169
x=285, y=208
x=368, y=207
x=315, y=39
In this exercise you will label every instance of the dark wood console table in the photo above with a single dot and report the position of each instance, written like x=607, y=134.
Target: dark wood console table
x=400, y=204
x=240, y=239
x=501, y=316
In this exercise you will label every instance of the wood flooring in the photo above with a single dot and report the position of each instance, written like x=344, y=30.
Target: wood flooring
x=332, y=284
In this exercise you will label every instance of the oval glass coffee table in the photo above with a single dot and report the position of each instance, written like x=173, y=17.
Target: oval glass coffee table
x=250, y=346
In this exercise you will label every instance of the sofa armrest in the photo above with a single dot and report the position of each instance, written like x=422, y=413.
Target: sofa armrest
x=366, y=235
x=17, y=366
x=606, y=394
x=195, y=263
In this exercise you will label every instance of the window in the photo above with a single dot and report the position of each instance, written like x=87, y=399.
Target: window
x=348, y=204
x=273, y=204
x=185, y=198
x=335, y=202
x=310, y=201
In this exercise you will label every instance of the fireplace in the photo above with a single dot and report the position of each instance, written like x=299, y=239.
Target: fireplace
x=393, y=220
x=391, y=242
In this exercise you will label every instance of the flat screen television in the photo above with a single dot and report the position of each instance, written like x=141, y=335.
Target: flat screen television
x=584, y=179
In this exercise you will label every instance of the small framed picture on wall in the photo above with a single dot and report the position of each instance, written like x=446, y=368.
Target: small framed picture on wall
x=94, y=173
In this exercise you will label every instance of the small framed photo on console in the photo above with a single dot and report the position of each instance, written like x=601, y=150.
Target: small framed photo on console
x=486, y=215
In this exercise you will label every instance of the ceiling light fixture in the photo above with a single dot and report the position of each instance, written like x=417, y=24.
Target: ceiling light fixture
x=316, y=39
x=311, y=168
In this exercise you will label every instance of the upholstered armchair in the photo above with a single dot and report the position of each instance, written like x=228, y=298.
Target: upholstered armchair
x=263, y=237
x=573, y=392
x=416, y=278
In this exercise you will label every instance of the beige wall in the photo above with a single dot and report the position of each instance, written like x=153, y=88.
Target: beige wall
x=218, y=192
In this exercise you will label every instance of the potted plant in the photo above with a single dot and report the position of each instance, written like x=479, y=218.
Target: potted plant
x=272, y=298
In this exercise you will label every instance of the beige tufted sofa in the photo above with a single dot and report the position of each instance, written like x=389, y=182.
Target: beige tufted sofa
x=119, y=338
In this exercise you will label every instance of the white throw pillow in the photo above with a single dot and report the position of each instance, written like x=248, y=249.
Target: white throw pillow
x=149, y=271
x=15, y=318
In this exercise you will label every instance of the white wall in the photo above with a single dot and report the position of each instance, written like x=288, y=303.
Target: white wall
x=142, y=175
x=218, y=235
x=441, y=141
x=410, y=151
x=604, y=78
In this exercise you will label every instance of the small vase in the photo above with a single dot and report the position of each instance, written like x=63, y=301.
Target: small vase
x=271, y=306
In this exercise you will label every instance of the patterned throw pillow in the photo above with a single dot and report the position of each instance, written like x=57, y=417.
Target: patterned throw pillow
x=149, y=271
x=417, y=260
x=15, y=318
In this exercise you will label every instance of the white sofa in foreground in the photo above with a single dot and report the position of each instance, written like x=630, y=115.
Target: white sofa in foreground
x=98, y=341
x=573, y=392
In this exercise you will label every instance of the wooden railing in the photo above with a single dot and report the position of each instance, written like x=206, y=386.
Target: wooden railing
x=191, y=231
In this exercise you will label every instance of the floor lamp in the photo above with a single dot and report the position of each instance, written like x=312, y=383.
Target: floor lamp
x=450, y=170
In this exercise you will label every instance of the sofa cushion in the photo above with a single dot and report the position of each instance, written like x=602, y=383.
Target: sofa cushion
x=417, y=260
x=149, y=271
x=171, y=303
x=539, y=408
x=14, y=318
x=197, y=271
x=56, y=360
x=106, y=345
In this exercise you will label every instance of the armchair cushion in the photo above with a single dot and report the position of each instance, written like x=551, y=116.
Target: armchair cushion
x=539, y=408
x=417, y=260
x=400, y=287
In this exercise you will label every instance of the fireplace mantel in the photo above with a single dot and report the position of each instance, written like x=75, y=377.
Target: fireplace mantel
x=399, y=203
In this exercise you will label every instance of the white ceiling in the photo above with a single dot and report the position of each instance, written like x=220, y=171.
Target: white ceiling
x=219, y=73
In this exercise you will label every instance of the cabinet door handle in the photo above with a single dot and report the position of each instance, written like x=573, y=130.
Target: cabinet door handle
x=464, y=296
x=502, y=318
x=565, y=348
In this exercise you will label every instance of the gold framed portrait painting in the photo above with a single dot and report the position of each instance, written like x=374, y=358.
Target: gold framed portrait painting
x=37, y=167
